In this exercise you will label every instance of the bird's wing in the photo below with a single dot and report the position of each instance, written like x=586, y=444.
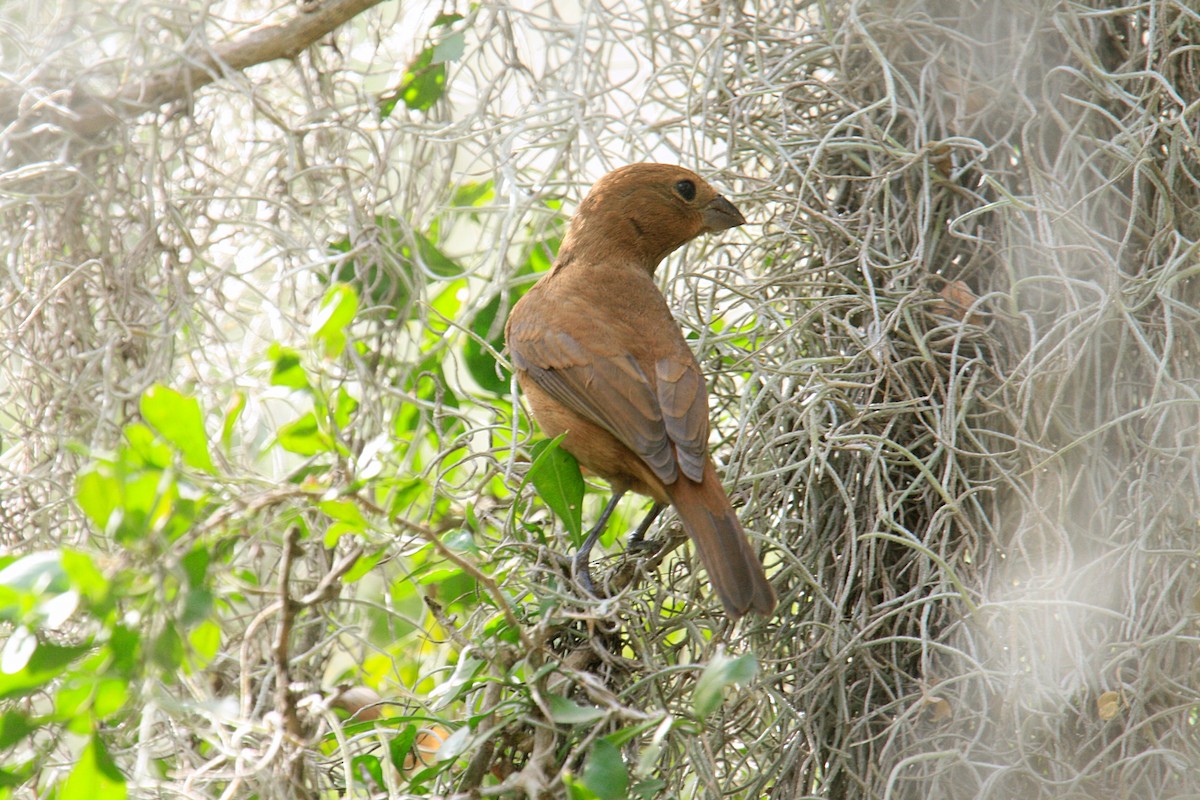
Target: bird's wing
x=610, y=390
x=684, y=405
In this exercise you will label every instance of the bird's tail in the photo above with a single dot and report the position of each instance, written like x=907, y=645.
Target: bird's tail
x=733, y=567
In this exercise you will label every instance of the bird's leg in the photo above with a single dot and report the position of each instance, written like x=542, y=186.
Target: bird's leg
x=637, y=539
x=583, y=574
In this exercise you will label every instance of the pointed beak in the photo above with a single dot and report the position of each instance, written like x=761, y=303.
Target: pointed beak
x=720, y=214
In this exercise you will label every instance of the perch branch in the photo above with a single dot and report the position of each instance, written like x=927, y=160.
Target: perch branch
x=88, y=115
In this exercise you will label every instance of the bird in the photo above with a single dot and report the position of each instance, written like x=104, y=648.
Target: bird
x=600, y=358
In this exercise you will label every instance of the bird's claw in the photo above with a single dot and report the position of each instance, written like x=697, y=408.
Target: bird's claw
x=637, y=542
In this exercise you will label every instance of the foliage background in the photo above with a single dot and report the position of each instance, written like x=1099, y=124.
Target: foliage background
x=260, y=460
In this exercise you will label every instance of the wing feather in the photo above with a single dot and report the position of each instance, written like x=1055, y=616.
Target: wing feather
x=684, y=404
x=611, y=391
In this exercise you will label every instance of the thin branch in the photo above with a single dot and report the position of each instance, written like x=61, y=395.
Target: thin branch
x=88, y=115
x=284, y=702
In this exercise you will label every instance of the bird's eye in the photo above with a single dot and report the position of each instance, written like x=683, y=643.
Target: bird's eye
x=686, y=190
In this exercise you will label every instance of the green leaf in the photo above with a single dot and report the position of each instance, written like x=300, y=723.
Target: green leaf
x=337, y=530
x=475, y=193
x=305, y=437
x=148, y=448
x=233, y=411
x=85, y=576
x=460, y=540
x=541, y=256
x=72, y=699
x=14, y=726
x=566, y=712
x=556, y=476
x=348, y=520
x=400, y=746
x=335, y=314
x=344, y=408
x=178, y=419
x=576, y=790
x=197, y=604
x=455, y=744
x=429, y=385
x=125, y=647
x=720, y=673
x=35, y=593
x=343, y=511
x=648, y=789
x=109, y=697
x=605, y=774
x=463, y=678
x=167, y=650
x=13, y=779
x=433, y=259
x=422, y=84
x=363, y=566
x=376, y=283
x=481, y=364
x=627, y=734
x=425, y=79
x=387, y=272
x=47, y=663
x=36, y=573
x=205, y=640
x=149, y=501
x=94, y=776
x=286, y=369
x=368, y=765
x=98, y=496
x=195, y=565
x=140, y=498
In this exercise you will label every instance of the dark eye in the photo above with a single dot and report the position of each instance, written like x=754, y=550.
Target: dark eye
x=686, y=190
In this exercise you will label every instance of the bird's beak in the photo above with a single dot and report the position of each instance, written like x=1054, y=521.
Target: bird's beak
x=720, y=214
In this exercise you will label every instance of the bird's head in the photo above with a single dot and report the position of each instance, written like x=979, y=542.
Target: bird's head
x=650, y=210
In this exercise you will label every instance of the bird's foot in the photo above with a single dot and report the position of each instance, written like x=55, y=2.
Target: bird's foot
x=637, y=542
x=639, y=545
x=582, y=572
x=579, y=565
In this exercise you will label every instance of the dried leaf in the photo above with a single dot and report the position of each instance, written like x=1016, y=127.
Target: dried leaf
x=938, y=708
x=1108, y=704
x=956, y=302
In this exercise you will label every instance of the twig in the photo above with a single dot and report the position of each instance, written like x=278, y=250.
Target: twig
x=87, y=115
x=284, y=704
x=466, y=566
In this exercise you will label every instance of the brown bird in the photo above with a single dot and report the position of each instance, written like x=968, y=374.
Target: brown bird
x=599, y=357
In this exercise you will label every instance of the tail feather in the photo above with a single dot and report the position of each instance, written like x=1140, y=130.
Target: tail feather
x=733, y=567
